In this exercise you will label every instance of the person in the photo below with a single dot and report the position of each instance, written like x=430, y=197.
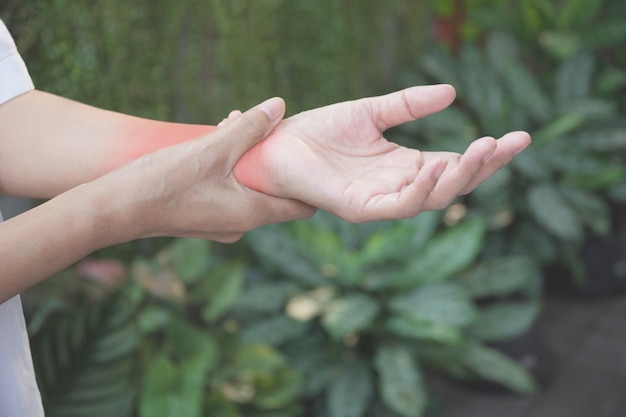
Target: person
x=111, y=178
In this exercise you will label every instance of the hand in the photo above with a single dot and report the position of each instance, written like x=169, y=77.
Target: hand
x=336, y=158
x=189, y=189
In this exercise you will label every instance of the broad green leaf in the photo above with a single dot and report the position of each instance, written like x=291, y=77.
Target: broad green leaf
x=590, y=209
x=401, y=238
x=273, y=331
x=190, y=258
x=173, y=389
x=88, y=357
x=482, y=89
x=553, y=212
x=187, y=339
x=558, y=128
x=321, y=244
x=527, y=92
x=222, y=289
x=350, y=314
x=400, y=381
x=501, y=276
x=308, y=356
x=276, y=247
x=422, y=329
x=439, y=303
x=350, y=392
x=446, y=254
x=494, y=366
x=505, y=320
x=534, y=241
x=160, y=378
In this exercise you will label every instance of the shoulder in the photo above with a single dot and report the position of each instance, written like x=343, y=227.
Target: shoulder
x=14, y=77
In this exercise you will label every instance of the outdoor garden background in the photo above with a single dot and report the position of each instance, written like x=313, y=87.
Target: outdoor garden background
x=321, y=318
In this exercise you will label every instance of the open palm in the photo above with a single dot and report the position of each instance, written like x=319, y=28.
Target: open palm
x=336, y=158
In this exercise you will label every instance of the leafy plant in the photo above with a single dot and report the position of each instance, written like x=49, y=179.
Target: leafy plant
x=361, y=311
x=194, y=363
x=85, y=359
x=563, y=185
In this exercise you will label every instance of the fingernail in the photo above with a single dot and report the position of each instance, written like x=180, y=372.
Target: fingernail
x=272, y=107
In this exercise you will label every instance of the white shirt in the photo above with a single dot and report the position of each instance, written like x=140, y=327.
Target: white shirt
x=19, y=395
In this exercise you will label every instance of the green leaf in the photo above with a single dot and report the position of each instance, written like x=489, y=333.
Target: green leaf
x=275, y=246
x=590, y=209
x=190, y=258
x=558, y=128
x=85, y=360
x=273, y=331
x=173, y=389
x=527, y=93
x=402, y=237
x=400, y=381
x=425, y=330
x=433, y=311
x=446, y=254
x=505, y=320
x=349, y=394
x=309, y=356
x=501, y=277
x=497, y=367
x=186, y=339
x=553, y=212
x=350, y=314
x=222, y=289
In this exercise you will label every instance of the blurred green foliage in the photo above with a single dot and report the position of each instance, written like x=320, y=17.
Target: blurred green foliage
x=196, y=60
x=324, y=318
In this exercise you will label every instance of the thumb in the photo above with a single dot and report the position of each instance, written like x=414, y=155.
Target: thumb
x=253, y=126
x=410, y=104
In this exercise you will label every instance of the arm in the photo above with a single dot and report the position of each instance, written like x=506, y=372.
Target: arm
x=182, y=190
x=49, y=144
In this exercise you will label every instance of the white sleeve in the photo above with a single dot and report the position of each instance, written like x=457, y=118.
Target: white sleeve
x=14, y=77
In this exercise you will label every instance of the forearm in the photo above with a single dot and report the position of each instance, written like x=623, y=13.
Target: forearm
x=50, y=237
x=51, y=144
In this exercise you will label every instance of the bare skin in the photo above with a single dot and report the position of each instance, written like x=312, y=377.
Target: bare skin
x=215, y=183
x=337, y=159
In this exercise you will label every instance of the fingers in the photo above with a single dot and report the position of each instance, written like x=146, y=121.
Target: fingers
x=409, y=104
x=508, y=146
x=251, y=127
x=231, y=116
x=407, y=202
x=461, y=171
